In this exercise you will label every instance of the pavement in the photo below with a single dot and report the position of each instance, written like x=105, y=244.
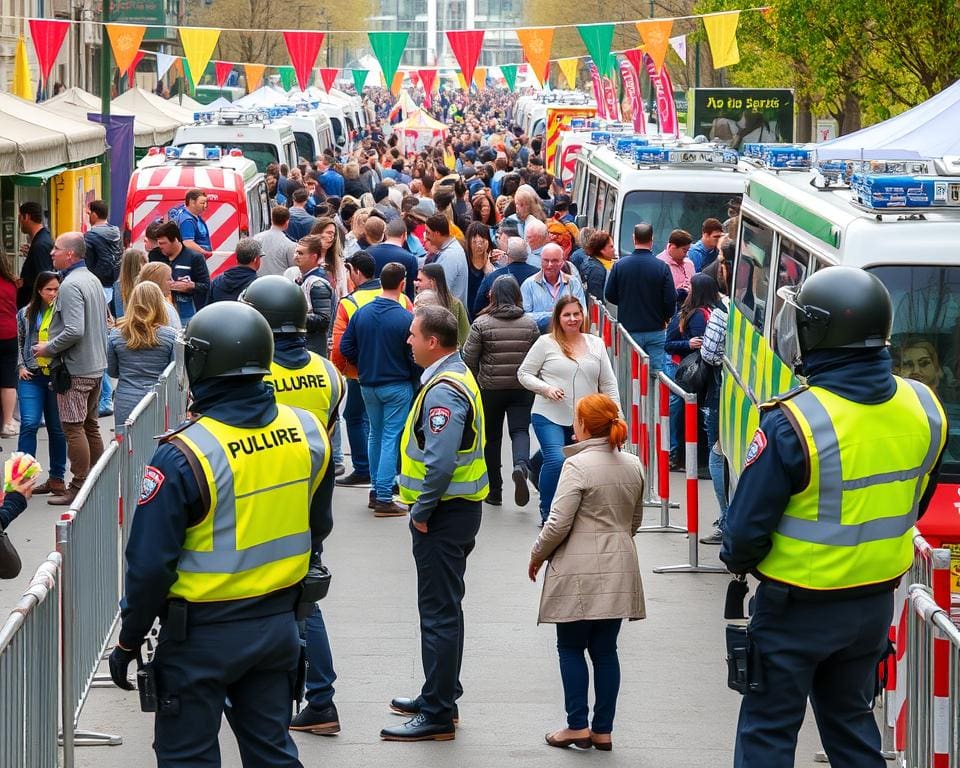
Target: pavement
x=674, y=710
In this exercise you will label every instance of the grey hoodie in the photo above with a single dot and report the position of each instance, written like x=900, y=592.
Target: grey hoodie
x=104, y=251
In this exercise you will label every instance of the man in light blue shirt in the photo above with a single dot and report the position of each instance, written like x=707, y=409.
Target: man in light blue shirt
x=541, y=291
x=450, y=256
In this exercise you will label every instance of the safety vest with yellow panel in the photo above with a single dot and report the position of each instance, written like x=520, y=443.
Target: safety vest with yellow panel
x=469, y=479
x=853, y=524
x=317, y=387
x=257, y=485
x=362, y=296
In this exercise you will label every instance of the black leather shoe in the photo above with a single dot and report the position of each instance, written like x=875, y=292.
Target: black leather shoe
x=521, y=494
x=401, y=706
x=353, y=479
x=494, y=499
x=323, y=722
x=420, y=729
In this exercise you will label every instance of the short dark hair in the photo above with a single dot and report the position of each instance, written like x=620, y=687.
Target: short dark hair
x=152, y=229
x=643, y=233
x=300, y=195
x=169, y=230
x=99, y=209
x=32, y=210
x=439, y=223
x=193, y=194
x=679, y=238
x=364, y=264
x=438, y=322
x=279, y=215
x=248, y=250
x=392, y=275
x=711, y=225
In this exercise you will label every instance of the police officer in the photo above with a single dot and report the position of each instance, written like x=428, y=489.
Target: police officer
x=824, y=516
x=220, y=543
x=303, y=379
x=444, y=477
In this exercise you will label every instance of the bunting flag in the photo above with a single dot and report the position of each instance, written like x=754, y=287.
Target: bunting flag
x=179, y=67
x=414, y=78
x=164, y=62
x=287, y=76
x=222, y=69
x=536, y=45
x=253, y=73
x=198, y=44
x=303, y=48
x=187, y=74
x=328, y=76
x=666, y=106
x=461, y=81
x=679, y=44
x=480, y=77
x=655, y=35
x=388, y=48
x=598, y=91
x=466, y=45
x=598, y=38
x=631, y=84
x=396, y=84
x=610, y=96
x=22, y=86
x=509, y=72
x=125, y=41
x=427, y=79
x=635, y=57
x=359, y=78
x=569, y=69
x=132, y=70
x=47, y=36
x=722, y=36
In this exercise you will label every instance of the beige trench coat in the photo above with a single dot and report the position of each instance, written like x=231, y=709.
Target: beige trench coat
x=593, y=571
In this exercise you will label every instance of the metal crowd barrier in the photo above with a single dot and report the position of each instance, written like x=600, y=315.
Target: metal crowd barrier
x=28, y=673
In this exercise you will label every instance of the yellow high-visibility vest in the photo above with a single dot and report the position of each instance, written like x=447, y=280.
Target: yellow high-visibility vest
x=317, y=387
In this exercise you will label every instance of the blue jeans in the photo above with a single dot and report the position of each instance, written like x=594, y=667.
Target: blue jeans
x=676, y=414
x=336, y=442
x=358, y=425
x=552, y=438
x=38, y=401
x=320, y=673
x=716, y=461
x=387, y=409
x=185, y=307
x=652, y=343
x=106, y=393
x=599, y=638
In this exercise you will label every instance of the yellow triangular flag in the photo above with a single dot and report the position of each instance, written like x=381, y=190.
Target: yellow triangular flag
x=198, y=44
x=722, y=35
x=480, y=77
x=125, y=40
x=462, y=80
x=536, y=47
x=254, y=75
x=656, y=39
x=22, y=86
x=569, y=68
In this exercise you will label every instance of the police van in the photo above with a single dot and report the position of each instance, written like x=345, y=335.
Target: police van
x=261, y=135
x=898, y=219
x=237, y=202
x=621, y=180
x=312, y=131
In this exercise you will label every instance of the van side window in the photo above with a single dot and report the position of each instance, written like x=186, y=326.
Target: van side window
x=581, y=170
x=591, y=200
x=610, y=209
x=601, y=208
x=752, y=272
x=793, y=266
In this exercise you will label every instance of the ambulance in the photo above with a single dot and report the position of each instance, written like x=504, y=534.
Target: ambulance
x=237, y=202
x=898, y=219
x=261, y=135
x=621, y=180
x=312, y=132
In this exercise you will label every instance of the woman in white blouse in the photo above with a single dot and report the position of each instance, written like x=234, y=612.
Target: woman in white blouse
x=561, y=367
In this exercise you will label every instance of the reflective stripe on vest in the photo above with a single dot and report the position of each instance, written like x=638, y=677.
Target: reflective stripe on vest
x=865, y=462
x=317, y=387
x=469, y=479
x=255, y=539
x=363, y=296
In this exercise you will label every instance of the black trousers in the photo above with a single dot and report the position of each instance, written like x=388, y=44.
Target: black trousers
x=515, y=404
x=441, y=558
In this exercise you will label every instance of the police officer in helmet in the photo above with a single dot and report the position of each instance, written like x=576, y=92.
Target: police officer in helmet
x=221, y=541
x=823, y=515
x=303, y=379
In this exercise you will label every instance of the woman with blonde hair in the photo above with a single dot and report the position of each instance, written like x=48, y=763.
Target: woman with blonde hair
x=527, y=205
x=133, y=259
x=160, y=274
x=593, y=580
x=331, y=255
x=139, y=348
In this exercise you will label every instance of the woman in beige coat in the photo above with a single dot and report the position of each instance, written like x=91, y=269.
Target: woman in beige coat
x=593, y=580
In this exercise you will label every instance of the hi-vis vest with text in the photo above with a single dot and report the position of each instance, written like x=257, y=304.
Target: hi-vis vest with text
x=352, y=302
x=255, y=537
x=469, y=480
x=317, y=387
x=853, y=524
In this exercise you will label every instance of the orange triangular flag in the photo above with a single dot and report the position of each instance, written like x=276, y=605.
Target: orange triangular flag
x=254, y=75
x=536, y=44
x=125, y=41
x=656, y=39
x=397, y=83
x=480, y=77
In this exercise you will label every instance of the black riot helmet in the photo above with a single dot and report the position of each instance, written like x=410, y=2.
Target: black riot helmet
x=842, y=308
x=227, y=339
x=280, y=301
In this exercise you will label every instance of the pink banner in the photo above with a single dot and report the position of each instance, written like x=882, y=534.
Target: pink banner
x=598, y=92
x=666, y=108
x=631, y=84
x=610, y=97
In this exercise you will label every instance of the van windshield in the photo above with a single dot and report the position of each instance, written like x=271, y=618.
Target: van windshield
x=261, y=154
x=305, y=146
x=925, y=343
x=668, y=211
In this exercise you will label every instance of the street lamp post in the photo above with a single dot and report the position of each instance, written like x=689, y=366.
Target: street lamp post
x=652, y=94
x=106, y=82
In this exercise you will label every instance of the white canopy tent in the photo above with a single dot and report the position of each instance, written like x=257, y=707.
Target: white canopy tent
x=149, y=130
x=144, y=103
x=265, y=96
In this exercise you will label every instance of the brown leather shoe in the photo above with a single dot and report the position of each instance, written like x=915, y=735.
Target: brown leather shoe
x=65, y=499
x=388, y=509
x=54, y=485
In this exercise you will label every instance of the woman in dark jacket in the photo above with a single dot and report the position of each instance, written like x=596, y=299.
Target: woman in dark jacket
x=598, y=248
x=499, y=340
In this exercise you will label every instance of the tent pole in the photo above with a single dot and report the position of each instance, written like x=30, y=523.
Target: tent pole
x=106, y=82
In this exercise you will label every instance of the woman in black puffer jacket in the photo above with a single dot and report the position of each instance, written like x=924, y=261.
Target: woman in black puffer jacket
x=499, y=340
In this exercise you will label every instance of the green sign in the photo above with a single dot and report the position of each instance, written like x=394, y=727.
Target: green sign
x=738, y=116
x=142, y=12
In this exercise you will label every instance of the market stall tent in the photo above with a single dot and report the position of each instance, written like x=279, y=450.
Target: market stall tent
x=418, y=131
x=149, y=130
x=142, y=102
x=264, y=96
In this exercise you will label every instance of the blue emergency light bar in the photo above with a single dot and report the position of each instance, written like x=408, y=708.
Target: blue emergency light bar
x=578, y=122
x=779, y=156
x=690, y=156
x=885, y=192
x=171, y=153
x=212, y=153
x=600, y=137
x=626, y=145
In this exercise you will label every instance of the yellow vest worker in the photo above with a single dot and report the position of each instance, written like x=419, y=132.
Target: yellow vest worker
x=316, y=387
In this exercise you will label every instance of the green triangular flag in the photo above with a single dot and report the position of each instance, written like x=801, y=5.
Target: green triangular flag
x=388, y=48
x=188, y=78
x=598, y=38
x=359, y=78
x=510, y=75
x=288, y=77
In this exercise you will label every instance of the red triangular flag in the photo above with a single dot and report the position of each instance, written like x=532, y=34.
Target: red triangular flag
x=466, y=45
x=47, y=36
x=303, y=48
x=223, y=70
x=132, y=71
x=414, y=80
x=427, y=78
x=328, y=77
x=635, y=57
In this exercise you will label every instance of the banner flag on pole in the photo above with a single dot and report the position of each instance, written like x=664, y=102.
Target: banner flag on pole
x=635, y=57
x=722, y=36
x=254, y=76
x=466, y=45
x=47, y=36
x=388, y=48
x=598, y=38
x=198, y=45
x=359, y=78
x=536, y=45
x=569, y=69
x=222, y=69
x=679, y=44
x=303, y=48
x=125, y=41
x=598, y=91
x=631, y=84
x=328, y=76
x=164, y=62
x=656, y=39
x=666, y=107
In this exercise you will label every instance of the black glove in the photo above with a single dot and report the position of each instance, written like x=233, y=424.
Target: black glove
x=119, y=661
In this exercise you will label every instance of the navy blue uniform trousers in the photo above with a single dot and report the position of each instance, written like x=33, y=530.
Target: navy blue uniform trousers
x=252, y=663
x=441, y=558
x=828, y=651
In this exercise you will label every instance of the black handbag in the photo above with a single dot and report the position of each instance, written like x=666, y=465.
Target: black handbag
x=694, y=374
x=60, y=378
x=10, y=564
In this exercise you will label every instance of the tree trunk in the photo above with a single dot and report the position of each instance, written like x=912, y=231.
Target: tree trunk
x=804, y=121
x=852, y=119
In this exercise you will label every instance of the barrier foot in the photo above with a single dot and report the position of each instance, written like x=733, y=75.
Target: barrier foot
x=92, y=739
x=659, y=505
x=690, y=569
x=661, y=529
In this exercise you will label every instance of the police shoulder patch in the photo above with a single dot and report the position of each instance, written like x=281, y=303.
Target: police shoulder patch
x=152, y=480
x=756, y=447
x=439, y=418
